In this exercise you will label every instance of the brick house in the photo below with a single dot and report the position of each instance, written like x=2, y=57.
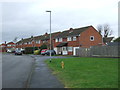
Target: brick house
x=36, y=41
x=3, y=47
x=68, y=41
x=10, y=46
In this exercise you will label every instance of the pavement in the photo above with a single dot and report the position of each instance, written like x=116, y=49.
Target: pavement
x=42, y=76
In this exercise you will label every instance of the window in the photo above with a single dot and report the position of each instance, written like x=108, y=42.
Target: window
x=25, y=43
x=64, y=48
x=74, y=38
x=29, y=42
x=45, y=41
x=38, y=41
x=70, y=49
x=60, y=39
x=56, y=40
x=91, y=38
x=68, y=38
x=8, y=45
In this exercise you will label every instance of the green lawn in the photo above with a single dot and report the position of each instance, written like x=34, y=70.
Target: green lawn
x=86, y=72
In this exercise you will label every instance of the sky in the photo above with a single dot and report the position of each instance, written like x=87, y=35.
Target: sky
x=23, y=19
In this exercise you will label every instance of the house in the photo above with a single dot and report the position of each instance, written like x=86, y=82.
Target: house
x=3, y=47
x=107, y=40
x=37, y=41
x=10, y=47
x=68, y=41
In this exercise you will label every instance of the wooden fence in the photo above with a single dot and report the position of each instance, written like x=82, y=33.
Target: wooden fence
x=102, y=51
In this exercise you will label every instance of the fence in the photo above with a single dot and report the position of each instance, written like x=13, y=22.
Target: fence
x=102, y=51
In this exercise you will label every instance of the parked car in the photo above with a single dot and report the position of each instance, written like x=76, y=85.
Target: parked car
x=18, y=52
x=43, y=51
x=50, y=51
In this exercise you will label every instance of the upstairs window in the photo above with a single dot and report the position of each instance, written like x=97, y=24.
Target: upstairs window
x=69, y=39
x=38, y=42
x=74, y=38
x=60, y=39
x=91, y=38
x=56, y=40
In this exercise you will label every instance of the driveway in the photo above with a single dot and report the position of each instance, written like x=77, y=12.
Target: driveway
x=42, y=76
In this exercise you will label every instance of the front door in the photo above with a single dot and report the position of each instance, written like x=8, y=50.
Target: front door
x=64, y=51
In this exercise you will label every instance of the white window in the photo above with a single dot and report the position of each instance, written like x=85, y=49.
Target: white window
x=9, y=45
x=56, y=40
x=74, y=38
x=60, y=39
x=45, y=41
x=70, y=49
x=29, y=42
x=38, y=41
x=64, y=48
x=91, y=38
x=68, y=38
x=25, y=43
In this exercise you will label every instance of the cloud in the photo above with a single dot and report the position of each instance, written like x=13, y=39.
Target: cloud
x=24, y=19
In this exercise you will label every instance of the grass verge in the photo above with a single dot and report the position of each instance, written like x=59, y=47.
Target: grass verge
x=86, y=72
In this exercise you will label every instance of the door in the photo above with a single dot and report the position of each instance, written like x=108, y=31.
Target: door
x=74, y=50
x=64, y=51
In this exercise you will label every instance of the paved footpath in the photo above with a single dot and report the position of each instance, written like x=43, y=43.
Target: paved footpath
x=42, y=76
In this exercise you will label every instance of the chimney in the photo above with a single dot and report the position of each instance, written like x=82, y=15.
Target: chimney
x=5, y=42
x=31, y=36
x=71, y=29
x=46, y=33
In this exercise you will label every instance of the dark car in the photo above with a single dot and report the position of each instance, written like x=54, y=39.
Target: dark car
x=50, y=51
x=18, y=52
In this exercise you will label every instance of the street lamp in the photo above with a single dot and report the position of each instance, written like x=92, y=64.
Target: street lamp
x=50, y=34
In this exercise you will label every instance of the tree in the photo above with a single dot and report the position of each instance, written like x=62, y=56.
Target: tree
x=99, y=27
x=104, y=30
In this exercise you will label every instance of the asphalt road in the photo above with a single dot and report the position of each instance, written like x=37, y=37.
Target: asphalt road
x=15, y=70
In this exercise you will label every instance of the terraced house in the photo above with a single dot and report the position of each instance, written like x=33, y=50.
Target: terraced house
x=36, y=41
x=68, y=41
x=65, y=42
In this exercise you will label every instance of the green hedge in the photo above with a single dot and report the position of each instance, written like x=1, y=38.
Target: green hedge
x=30, y=50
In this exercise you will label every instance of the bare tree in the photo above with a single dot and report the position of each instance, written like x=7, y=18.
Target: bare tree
x=107, y=30
x=100, y=29
x=104, y=30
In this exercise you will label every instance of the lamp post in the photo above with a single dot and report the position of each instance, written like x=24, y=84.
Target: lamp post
x=50, y=34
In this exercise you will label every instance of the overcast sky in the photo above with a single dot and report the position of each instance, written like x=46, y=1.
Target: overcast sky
x=23, y=19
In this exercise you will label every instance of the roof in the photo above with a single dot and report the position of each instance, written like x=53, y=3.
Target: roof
x=11, y=43
x=41, y=37
x=114, y=44
x=47, y=36
x=72, y=32
x=107, y=39
x=25, y=40
x=3, y=44
x=62, y=44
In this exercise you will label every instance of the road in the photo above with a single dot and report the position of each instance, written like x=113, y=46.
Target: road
x=15, y=70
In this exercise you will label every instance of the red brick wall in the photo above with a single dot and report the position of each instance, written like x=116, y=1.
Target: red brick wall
x=85, y=38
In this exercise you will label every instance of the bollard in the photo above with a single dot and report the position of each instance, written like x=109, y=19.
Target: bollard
x=62, y=64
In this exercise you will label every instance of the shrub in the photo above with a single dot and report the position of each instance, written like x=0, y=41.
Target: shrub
x=30, y=50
